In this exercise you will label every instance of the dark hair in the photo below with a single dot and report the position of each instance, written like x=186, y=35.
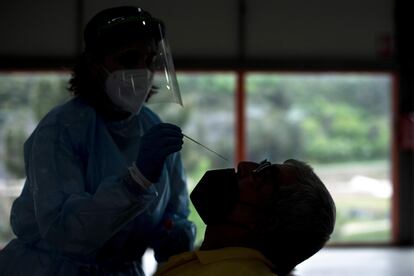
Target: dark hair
x=82, y=83
x=298, y=220
x=87, y=82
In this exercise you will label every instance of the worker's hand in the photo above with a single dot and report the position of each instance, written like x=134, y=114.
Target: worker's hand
x=156, y=144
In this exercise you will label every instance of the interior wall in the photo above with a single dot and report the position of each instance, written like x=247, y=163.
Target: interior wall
x=38, y=28
x=194, y=28
x=318, y=28
x=335, y=29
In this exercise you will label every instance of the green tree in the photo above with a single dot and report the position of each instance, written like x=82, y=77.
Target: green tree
x=13, y=157
x=49, y=93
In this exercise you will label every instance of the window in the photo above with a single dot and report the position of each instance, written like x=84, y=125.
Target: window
x=340, y=123
x=208, y=117
x=24, y=100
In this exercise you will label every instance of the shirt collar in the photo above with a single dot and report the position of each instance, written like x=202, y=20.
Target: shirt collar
x=211, y=256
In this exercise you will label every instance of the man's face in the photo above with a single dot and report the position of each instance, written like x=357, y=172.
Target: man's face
x=226, y=196
x=256, y=187
x=134, y=55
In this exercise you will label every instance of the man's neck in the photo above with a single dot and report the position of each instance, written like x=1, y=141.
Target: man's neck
x=224, y=235
x=236, y=231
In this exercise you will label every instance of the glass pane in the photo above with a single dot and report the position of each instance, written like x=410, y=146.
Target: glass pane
x=208, y=117
x=341, y=125
x=24, y=100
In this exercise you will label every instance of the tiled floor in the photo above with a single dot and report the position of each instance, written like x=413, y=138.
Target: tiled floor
x=359, y=261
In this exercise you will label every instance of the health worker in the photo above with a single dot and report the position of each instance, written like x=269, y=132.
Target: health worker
x=105, y=180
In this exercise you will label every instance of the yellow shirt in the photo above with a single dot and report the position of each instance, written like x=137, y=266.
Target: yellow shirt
x=233, y=261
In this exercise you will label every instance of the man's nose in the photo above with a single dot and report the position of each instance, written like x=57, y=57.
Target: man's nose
x=245, y=168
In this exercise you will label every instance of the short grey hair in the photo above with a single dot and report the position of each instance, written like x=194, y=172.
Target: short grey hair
x=297, y=221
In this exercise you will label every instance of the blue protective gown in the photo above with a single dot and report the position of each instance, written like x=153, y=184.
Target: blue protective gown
x=80, y=212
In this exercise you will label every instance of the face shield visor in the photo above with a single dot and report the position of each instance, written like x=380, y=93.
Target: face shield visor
x=149, y=66
x=165, y=87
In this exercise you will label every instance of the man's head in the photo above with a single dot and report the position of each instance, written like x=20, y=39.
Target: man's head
x=282, y=210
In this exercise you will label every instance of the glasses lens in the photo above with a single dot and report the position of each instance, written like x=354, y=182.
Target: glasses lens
x=262, y=165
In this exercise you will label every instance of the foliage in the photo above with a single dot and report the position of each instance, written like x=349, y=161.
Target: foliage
x=13, y=157
x=5, y=232
x=24, y=100
x=320, y=118
x=206, y=116
x=48, y=93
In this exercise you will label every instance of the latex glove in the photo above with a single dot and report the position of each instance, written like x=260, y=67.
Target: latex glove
x=157, y=143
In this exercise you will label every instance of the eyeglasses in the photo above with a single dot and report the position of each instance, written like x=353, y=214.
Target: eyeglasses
x=267, y=171
x=264, y=172
x=262, y=165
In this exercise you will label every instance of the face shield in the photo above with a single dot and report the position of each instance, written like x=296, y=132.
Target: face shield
x=127, y=30
x=165, y=87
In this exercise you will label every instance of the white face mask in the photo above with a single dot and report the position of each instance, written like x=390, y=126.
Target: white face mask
x=128, y=89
